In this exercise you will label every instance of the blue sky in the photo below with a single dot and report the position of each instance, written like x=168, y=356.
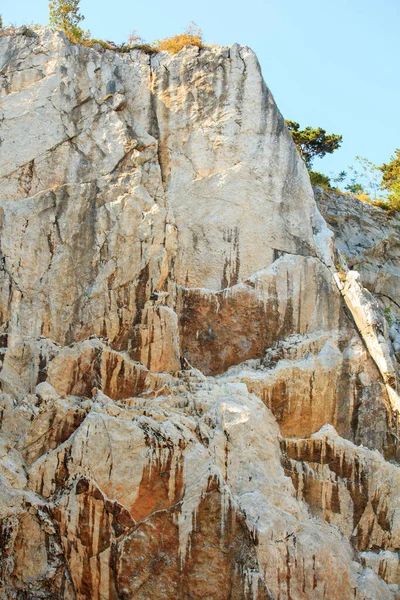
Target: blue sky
x=329, y=63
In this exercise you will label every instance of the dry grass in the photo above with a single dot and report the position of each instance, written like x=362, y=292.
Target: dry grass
x=176, y=43
x=193, y=36
x=172, y=45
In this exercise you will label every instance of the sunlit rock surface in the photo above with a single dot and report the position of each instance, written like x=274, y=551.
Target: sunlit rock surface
x=197, y=403
x=367, y=239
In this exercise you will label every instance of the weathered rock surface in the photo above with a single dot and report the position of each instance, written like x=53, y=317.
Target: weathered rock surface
x=368, y=239
x=194, y=404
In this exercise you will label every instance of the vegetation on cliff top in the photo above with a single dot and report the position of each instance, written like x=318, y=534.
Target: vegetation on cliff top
x=193, y=36
x=378, y=185
x=65, y=16
x=391, y=179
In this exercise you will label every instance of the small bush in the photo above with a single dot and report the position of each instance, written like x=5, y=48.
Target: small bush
x=135, y=42
x=394, y=204
x=388, y=316
x=355, y=188
x=34, y=26
x=134, y=39
x=341, y=273
x=364, y=198
x=380, y=204
x=391, y=205
x=317, y=178
x=146, y=48
x=193, y=36
x=394, y=196
x=174, y=44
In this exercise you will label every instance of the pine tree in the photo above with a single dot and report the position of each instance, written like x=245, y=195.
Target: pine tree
x=312, y=142
x=65, y=15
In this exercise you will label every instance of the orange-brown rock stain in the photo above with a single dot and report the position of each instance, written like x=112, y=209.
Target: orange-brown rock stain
x=121, y=378
x=89, y=524
x=221, y=553
x=219, y=558
x=154, y=490
x=294, y=398
x=368, y=518
x=146, y=563
x=223, y=329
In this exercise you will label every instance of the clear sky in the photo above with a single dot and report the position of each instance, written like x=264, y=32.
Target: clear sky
x=329, y=63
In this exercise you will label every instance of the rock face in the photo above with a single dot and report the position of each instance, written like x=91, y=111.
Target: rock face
x=368, y=241
x=195, y=402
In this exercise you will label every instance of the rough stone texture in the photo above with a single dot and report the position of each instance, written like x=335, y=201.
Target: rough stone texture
x=368, y=239
x=186, y=376
x=367, y=243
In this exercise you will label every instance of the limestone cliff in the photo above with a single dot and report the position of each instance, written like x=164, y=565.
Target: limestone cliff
x=367, y=240
x=191, y=405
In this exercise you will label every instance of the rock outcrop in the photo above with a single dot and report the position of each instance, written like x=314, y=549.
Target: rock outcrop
x=368, y=239
x=367, y=242
x=193, y=403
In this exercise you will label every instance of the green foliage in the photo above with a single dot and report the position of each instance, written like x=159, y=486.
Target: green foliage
x=394, y=196
x=355, y=188
x=65, y=15
x=389, y=317
x=391, y=171
x=340, y=177
x=1, y=22
x=191, y=37
x=362, y=179
x=317, y=178
x=391, y=180
x=312, y=143
x=146, y=48
x=365, y=178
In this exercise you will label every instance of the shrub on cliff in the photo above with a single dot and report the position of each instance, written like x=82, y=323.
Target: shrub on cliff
x=391, y=180
x=65, y=15
x=193, y=36
x=318, y=178
x=312, y=143
x=364, y=181
x=391, y=171
x=394, y=196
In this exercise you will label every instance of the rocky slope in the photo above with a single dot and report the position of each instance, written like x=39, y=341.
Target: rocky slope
x=195, y=404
